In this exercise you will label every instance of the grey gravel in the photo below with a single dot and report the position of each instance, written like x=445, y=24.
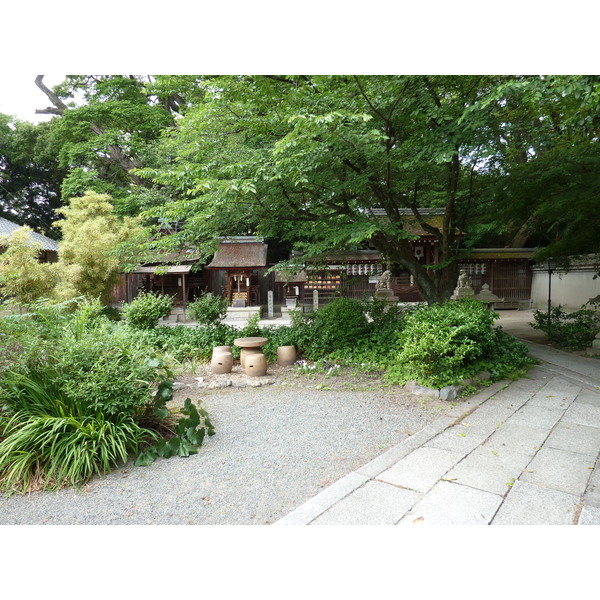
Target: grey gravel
x=276, y=447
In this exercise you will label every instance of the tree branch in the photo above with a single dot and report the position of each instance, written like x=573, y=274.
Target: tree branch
x=59, y=105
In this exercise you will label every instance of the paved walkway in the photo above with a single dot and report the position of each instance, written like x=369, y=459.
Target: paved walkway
x=522, y=452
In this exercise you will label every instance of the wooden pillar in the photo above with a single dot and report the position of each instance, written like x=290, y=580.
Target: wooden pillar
x=184, y=295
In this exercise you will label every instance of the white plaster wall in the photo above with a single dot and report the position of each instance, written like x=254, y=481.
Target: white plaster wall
x=570, y=289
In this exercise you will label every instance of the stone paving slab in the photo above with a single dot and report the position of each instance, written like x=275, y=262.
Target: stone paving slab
x=529, y=504
x=592, y=493
x=583, y=414
x=516, y=394
x=517, y=438
x=560, y=470
x=421, y=469
x=557, y=393
x=310, y=510
x=462, y=407
x=575, y=438
x=585, y=368
x=536, y=416
x=405, y=447
x=590, y=515
x=489, y=470
x=589, y=397
x=489, y=417
x=459, y=439
x=452, y=504
x=375, y=503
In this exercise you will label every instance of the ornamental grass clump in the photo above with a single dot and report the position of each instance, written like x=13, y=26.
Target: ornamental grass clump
x=50, y=439
x=79, y=394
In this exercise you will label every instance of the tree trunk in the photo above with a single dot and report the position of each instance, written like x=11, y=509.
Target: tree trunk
x=436, y=285
x=116, y=154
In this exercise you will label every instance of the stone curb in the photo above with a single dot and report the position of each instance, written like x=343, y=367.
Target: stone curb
x=317, y=505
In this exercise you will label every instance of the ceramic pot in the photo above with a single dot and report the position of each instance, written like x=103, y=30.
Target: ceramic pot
x=222, y=362
x=286, y=355
x=245, y=352
x=256, y=365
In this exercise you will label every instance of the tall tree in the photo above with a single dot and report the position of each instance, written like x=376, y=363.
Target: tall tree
x=547, y=187
x=307, y=159
x=30, y=177
x=103, y=141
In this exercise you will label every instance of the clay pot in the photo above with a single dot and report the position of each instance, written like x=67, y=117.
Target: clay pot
x=222, y=362
x=286, y=355
x=256, y=365
x=245, y=352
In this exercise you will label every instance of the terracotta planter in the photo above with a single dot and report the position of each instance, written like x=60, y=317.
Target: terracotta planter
x=245, y=352
x=222, y=362
x=286, y=355
x=256, y=365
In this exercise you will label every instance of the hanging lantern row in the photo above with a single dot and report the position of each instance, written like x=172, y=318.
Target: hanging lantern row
x=364, y=269
x=474, y=268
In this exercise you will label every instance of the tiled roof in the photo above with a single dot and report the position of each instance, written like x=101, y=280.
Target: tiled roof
x=245, y=255
x=8, y=227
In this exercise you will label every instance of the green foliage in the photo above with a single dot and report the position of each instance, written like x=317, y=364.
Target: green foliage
x=88, y=262
x=144, y=311
x=101, y=141
x=189, y=436
x=79, y=394
x=251, y=329
x=51, y=439
x=339, y=324
x=574, y=330
x=207, y=309
x=22, y=276
x=444, y=344
x=30, y=177
x=180, y=343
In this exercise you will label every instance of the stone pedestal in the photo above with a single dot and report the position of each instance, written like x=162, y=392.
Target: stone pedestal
x=462, y=292
x=286, y=356
x=595, y=349
x=386, y=294
x=221, y=362
x=486, y=295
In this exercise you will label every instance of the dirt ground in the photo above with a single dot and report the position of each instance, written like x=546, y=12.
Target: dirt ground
x=194, y=385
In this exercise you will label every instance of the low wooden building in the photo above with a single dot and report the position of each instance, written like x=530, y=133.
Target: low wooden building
x=507, y=271
x=243, y=261
x=48, y=246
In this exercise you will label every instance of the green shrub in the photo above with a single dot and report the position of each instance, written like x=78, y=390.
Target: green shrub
x=572, y=331
x=207, y=309
x=51, y=439
x=181, y=343
x=251, y=329
x=146, y=309
x=80, y=395
x=337, y=326
x=443, y=344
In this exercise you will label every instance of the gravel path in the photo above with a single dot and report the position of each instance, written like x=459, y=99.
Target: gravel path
x=275, y=447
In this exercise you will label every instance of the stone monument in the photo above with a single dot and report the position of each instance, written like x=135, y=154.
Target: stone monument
x=383, y=288
x=464, y=288
x=486, y=295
